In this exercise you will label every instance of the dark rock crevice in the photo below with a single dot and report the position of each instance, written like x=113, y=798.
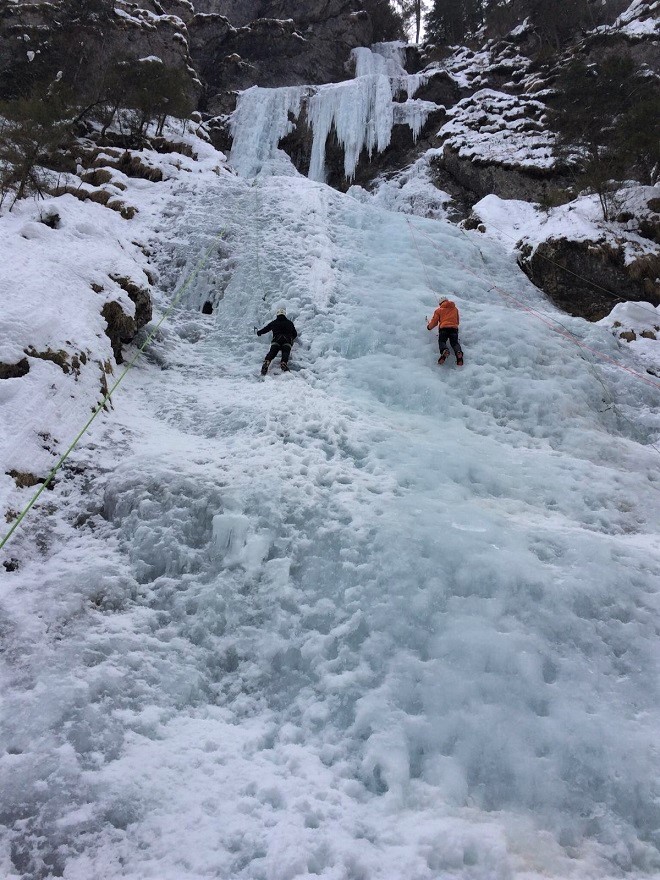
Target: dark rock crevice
x=15, y=371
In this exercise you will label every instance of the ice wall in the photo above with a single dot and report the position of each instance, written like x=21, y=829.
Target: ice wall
x=361, y=112
x=388, y=59
x=261, y=119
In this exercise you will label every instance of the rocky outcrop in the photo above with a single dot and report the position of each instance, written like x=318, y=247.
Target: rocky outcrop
x=140, y=297
x=36, y=39
x=121, y=328
x=14, y=371
x=481, y=178
x=587, y=278
x=273, y=44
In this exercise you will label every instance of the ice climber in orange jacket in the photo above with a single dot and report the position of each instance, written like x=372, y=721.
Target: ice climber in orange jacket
x=445, y=317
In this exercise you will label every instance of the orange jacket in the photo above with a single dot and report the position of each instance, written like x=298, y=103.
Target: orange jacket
x=446, y=315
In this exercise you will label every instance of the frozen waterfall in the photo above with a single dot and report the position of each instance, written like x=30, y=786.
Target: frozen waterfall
x=262, y=119
x=388, y=59
x=361, y=112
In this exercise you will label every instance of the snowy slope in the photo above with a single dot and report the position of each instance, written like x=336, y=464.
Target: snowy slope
x=373, y=619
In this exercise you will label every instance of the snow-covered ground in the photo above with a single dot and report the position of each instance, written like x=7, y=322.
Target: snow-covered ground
x=514, y=223
x=371, y=619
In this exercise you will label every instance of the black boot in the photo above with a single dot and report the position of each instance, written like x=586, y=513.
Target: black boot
x=284, y=366
x=264, y=367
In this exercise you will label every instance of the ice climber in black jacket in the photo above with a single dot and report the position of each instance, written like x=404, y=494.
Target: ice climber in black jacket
x=284, y=334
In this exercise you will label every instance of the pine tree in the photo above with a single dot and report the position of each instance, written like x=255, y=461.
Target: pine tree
x=450, y=21
x=609, y=113
x=412, y=11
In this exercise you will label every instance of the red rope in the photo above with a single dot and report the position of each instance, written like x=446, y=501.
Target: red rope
x=553, y=325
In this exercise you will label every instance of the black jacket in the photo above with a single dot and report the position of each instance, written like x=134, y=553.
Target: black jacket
x=283, y=330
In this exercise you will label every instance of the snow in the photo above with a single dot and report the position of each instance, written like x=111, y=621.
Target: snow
x=468, y=69
x=376, y=619
x=496, y=127
x=513, y=222
x=640, y=20
x=410, y=191
x=49, y=306
x=521, y=29
x=643, y=319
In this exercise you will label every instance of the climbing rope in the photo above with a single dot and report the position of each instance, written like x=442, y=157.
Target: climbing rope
x=419, y=254
x=564, y=331
x=188, y=281
x=554, y=325
x=257, y=227
x=557, y=265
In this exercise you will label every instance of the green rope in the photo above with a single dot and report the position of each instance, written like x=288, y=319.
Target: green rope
x=255, y=184
x=109, y=394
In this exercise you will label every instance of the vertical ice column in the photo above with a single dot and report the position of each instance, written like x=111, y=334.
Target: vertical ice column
x=388, y=59
x=361, y=113
x=260, y=121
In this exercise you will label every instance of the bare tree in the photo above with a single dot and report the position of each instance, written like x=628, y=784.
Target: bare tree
x=412, y=11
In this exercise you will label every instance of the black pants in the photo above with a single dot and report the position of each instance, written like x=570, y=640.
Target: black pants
x=284, y=347
x=449, y=334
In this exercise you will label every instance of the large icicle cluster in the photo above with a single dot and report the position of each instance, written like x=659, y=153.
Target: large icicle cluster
x=361, y=112
x=388, y=59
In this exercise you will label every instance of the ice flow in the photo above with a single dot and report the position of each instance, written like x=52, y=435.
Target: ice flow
x=377, y=619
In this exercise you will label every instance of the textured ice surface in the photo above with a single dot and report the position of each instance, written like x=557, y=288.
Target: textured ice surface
x=376, y=619
x=263, y=118
x=361, y=113
x=388, y=59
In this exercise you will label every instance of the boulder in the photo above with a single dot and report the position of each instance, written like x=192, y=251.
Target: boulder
x=121, y=328
x=15, y=371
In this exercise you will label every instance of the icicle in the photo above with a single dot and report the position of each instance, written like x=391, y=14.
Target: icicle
x=361, y=113
x=260, y=121
x=414, y=114
x=388, y=59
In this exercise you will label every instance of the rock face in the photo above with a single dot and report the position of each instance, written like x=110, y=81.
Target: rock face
x=588, y=278
x=122, y=327
x=36, y=38
x=235, y=46
x=480, y=178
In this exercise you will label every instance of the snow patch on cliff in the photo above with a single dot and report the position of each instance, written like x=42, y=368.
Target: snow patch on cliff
x=515, y=223
x=492, y=126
